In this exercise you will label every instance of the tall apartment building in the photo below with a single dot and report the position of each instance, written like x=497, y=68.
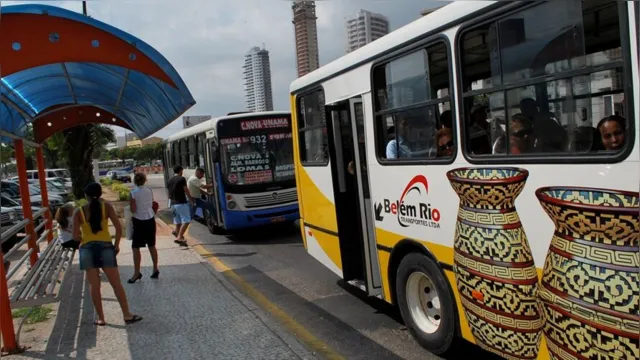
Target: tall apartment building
x=257, y=80
x=306, y=33
x=364, y=28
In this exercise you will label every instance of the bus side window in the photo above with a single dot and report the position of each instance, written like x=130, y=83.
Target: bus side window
x=412, y=104
x=521, y=93
x=312, y=126
x=176, y=153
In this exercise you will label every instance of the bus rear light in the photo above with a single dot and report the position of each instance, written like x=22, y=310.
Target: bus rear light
x=229, y=197
x=231, y=205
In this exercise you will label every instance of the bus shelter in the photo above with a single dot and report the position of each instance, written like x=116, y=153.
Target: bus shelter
x=61, y=69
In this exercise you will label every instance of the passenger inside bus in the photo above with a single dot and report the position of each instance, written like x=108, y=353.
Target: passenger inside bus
x=398, y=147
x=445, y=142
x=548, y=133
x=479, y=142
x=445, y=120
x=520, y=134
x=410, y=136
x=611, y=130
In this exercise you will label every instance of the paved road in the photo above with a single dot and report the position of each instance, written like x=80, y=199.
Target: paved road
x=274, y=261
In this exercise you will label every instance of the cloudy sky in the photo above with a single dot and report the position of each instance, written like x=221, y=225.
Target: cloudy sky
x=206, y=40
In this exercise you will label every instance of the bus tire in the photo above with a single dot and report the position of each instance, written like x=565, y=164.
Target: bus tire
x=425, y=303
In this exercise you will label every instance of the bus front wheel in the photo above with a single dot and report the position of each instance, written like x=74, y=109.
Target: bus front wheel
x=425, y=303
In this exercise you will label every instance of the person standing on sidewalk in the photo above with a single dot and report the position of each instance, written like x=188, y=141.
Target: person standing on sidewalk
x=196, y=188
x=144, y=226
x=64, y=218
x=179, y=195
x=91, y=225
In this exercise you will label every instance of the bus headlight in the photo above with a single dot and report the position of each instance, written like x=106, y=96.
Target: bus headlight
x=231, y=205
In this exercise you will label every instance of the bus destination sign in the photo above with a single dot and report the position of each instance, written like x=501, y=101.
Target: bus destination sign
x=264, y=124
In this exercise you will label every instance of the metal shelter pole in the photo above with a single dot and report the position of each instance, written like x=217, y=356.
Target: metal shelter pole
x=26, y=198
x=44, y=192
x=6, y=317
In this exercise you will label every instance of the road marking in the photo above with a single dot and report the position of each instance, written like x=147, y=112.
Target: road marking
x=299, y=331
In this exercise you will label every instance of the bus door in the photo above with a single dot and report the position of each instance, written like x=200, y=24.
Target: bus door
x=352, y=198
x=210, y=177
x=168, y=165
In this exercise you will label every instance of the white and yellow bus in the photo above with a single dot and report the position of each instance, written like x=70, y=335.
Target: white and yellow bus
x=478, y=168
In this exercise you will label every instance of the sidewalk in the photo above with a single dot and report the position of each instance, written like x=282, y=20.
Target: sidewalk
x=190, y=312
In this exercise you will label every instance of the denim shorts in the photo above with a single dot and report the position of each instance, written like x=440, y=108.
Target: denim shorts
x=96, y=255
x=181, y=213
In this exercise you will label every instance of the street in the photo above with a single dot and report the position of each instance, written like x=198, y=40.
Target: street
x=275, y=262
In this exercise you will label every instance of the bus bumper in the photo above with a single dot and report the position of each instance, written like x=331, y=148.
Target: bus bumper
x=244, y=219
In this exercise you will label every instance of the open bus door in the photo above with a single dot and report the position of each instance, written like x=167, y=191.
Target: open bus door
x=214, y=221
x=347, y=151
x=168, y=165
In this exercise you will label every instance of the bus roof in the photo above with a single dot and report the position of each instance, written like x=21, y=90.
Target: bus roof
x=210, y=124
x=445, y=15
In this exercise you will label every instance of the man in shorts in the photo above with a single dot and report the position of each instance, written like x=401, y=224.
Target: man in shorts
x=196, y=188
x=179, y=195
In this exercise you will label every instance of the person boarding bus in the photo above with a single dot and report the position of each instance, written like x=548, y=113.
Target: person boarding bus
x=196, y=189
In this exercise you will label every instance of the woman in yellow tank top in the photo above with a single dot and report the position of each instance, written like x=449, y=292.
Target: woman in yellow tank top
x=91, y=225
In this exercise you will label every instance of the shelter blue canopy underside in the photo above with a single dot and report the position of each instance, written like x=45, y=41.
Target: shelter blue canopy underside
x=145, y=103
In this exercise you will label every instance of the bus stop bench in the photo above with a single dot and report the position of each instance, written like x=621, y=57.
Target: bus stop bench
x=42, y=283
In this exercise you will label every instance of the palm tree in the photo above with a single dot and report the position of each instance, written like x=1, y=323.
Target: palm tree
x=79, y=145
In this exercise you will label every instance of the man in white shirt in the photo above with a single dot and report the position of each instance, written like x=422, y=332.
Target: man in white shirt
x=196, y=188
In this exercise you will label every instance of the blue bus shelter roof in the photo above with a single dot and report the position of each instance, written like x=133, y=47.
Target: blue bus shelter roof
x=144, y=97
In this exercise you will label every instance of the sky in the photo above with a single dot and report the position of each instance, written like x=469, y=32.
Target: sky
x=206, y=40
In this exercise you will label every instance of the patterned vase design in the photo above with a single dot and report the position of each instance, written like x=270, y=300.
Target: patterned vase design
x=589, y=289
x=495, y=272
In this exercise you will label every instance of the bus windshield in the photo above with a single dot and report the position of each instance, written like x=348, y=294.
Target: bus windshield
x=257, y=158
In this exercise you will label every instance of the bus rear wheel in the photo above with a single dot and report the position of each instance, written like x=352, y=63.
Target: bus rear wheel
x=425, y=302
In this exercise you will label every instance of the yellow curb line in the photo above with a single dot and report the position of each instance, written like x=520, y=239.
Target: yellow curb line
x=300, y=332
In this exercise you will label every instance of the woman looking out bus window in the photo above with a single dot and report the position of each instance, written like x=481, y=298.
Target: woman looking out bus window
x=611, y=129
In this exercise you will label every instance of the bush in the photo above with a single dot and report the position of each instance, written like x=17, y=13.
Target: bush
x=80, y=203
x=117, y=187
x=105, y=181
x=123, y=195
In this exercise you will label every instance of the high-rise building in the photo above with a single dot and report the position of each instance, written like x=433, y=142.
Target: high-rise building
x=306, y=32
x=364, y=28
x=257, y=80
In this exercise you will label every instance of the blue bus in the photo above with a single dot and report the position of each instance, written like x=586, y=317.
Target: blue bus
x=248, y=157
x=115, y=165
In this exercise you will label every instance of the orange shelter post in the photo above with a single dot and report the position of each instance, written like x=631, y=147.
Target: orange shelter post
x=6, y=318
x=44, y=193
x=26, y=198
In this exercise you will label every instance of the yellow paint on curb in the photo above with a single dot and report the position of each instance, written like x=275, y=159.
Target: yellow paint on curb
x=306, y=337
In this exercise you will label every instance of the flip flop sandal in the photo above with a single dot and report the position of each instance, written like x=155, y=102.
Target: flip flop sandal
x=99, y=323
x=134, y=319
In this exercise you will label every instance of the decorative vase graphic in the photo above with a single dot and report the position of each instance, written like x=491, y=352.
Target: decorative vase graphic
x=589, y=289
x=495, y=272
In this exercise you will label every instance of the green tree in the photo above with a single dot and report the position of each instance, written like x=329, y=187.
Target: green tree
x=53, y=151
x=80, y=142
x=6, y=154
